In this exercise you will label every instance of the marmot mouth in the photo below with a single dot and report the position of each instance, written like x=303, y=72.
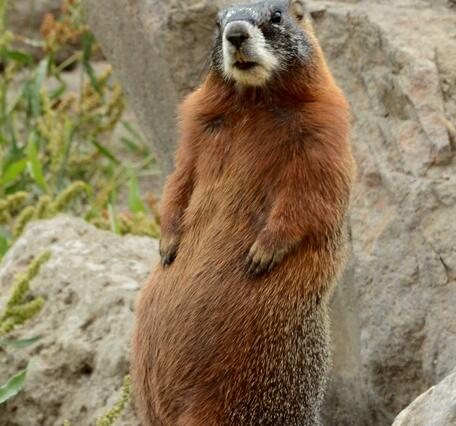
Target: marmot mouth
x=244, y=66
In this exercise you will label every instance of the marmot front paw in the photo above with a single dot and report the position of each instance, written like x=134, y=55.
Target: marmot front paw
x=168, y=249
x=263, y=257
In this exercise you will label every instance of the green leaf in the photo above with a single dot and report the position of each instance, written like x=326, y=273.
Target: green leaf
x=27, y=96
x=69, y=132
x=4, y=245
x=3, y=140
x=112, y=220
x=34, y=164
x=105, y=151
x=14, y=103
x=130, y=144
x=113, y=195
x=135, y=203
x=88, y=39
x=58, y=92
x=19, y=343
x=92, y=76
x=41, y=74
x=13, y=171
x=133, y=132
x=21, y=57
x=13, y=386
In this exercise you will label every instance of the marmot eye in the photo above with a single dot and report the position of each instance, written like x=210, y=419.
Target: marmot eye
x=276, y=17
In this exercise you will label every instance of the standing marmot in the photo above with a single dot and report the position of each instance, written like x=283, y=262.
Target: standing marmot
x=232, y=328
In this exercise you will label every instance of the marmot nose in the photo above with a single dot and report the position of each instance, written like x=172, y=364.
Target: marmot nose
x=238, y=38
x=237, y=34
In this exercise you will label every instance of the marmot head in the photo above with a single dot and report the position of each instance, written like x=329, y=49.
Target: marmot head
x=260, y=40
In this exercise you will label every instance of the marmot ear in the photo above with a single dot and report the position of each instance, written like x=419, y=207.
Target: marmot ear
x=298, y=9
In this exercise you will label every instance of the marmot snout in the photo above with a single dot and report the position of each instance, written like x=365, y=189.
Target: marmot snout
x=232, y=327
x=254, y=42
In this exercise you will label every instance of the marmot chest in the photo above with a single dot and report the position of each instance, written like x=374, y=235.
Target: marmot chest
x=245, y=153
x=239, y=171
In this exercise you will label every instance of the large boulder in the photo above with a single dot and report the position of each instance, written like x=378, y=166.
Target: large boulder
x=90, y=285
x=394, y=314
x=435, y=407
x=402, y=87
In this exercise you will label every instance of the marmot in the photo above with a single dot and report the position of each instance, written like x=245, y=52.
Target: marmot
x=232, y=328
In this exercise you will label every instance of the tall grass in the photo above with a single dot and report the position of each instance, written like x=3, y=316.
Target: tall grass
x=56, y=143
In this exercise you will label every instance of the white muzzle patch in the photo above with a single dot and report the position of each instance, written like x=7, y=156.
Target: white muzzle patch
x=252, y=63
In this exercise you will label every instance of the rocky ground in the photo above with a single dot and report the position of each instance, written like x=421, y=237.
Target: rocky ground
x=394, y=321
x=90, y=286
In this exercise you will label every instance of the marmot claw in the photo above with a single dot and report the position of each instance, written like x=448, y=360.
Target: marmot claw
x=261, y=259
x=168, y=249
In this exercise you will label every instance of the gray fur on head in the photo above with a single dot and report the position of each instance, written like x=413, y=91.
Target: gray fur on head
x=275, y=42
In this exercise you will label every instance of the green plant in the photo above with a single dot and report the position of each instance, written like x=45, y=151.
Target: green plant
x=56, y=144
x=115, y=412
x=18, y=310
x=13, y=386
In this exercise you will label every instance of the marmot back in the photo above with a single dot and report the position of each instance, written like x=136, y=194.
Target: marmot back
x=232, y=327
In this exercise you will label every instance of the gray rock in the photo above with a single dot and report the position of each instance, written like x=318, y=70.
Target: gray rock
x=403, y=234
x=345, y=403
x=436, y=407
x=90, y=285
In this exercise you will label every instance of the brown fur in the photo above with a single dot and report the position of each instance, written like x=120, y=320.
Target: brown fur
x=261, y=174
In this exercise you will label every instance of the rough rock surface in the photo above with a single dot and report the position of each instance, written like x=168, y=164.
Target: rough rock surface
x=401, y=84
x=90, y=285
x=436, y=407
